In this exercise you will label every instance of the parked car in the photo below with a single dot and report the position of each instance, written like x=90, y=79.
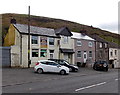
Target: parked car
x=65, y=63
x=100, y=65
x=50, y=66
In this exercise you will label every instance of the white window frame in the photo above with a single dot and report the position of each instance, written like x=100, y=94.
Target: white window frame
x=79, y=43
x=90, y=54
x=65, y=39
x=53, y=41
x=33, y=39
x=80, y=53
x=90, y=44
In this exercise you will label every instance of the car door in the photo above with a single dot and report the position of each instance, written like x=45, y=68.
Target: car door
x=54, y=67
x=45, y=67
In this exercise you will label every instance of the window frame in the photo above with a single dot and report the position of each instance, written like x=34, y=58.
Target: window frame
x=90, y=44
x=79, y=54
x=34, y=52
x=90, y=54
x=45, y=52
x=53, y=41
x=34, y=39
x=79, y=43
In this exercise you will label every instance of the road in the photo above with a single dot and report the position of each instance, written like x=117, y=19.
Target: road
x=84, y=81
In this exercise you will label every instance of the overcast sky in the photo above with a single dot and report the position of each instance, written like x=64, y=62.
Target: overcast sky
x=98, y=13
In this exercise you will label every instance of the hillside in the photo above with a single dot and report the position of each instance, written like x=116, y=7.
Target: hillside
x=56, y=23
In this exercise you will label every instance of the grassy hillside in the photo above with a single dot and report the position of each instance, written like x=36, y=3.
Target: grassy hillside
x=56, y=23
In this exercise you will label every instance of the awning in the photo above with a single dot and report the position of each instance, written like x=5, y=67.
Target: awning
x=67, y=50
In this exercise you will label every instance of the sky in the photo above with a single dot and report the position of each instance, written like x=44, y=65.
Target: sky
x=102, y=14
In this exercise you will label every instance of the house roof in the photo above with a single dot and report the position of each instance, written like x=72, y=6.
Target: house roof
x=80, y=36
x=113, y=45
x=98, y=39
x=22, y=28
x=63, y=31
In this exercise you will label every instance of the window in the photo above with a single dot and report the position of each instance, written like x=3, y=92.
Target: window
x=100, y=45
x=105, y=45
x=79, y=54
x=100, y=54
x=35, y=52
x=51, y=54
x=65, y=39
x=34, y=39
x=115, y=52
x=51, y=41
x=90, y=44
x=111, y=53
x=90, y=54
x=79, y=43
x=43, y=52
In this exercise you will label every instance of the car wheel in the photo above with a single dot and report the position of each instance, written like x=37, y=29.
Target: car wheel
x=40, y=71
x=76, y=70
x=62, y=72
x=106, y=69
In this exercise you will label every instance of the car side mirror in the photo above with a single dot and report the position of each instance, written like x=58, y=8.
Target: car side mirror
x=58, y=66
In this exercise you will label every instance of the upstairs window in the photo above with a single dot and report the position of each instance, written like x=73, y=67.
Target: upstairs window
x=105, y=45
x=111, y=53
x=90, y=44
x=65, y=39
x=34, y=39
x=115, y=52
x=51, y=41
x=100, y=45
x=79, y=43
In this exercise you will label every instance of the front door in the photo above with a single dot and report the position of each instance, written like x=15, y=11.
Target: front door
x=66, y=57
x=85, y=56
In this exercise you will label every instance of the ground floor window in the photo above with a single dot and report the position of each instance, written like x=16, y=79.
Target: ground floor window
x=35, y=52
x=90, y=54
x=51, y=54
x=43, y=52
x=78, y=53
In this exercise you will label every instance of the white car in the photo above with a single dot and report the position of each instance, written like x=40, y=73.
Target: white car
x=50, y=66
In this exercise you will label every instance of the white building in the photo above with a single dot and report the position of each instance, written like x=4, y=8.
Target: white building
x=45, y=43
x=114, y=55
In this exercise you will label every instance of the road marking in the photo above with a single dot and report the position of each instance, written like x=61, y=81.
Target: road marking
x=116, y=79
x=90, y=86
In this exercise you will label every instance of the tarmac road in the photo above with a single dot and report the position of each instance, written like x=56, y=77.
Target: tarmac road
x=86, y=80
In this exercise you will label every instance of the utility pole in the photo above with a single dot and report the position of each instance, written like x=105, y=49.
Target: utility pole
x=29, y=60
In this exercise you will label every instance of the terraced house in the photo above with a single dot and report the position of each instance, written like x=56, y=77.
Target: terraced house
x=84, y=49
x=45, y=43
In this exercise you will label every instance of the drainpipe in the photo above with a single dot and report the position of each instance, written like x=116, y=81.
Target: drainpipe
x=20, y=49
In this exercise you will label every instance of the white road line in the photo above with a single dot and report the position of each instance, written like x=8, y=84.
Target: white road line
x=90, y=86
x=116, y=79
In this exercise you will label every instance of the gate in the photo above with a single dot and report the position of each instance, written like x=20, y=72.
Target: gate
x=5, y=57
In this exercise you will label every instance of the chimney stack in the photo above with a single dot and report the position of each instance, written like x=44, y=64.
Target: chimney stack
x=13, y=21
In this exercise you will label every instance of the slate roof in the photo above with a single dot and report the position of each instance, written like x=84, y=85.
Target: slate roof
x=98, y=39
x=22, y=28
x=113, y=45
x=63, y=31
x=80, y=36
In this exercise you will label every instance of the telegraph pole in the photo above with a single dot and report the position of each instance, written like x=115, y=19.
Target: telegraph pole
x=29, y=60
